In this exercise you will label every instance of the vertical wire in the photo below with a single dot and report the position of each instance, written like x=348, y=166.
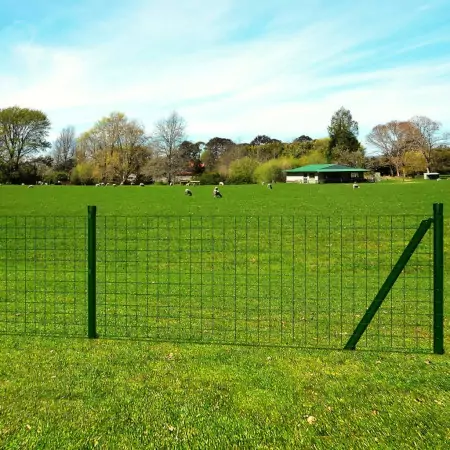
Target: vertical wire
x=105, y=274
x=293, y=279
x=225, y=298
x=190, y=277
x=353, y=272
x=416, y=313
x=404, y=288
x=281, y=278
x=259, y=283
x=6, y=274
x=270, y=284
x=116, y=262
x=126, y=273
x=158, y=274
x=342, y=282
x=378, y=282
x=16, y=279
x=329, y=280
x=246, y=277
x=201, y=277
x=317, y=280
x=45, y=273
x=25, y=270
x=305, y=278
x=147, y=270
x=180, y=289
x=65, y=292
x=367, y=274
x=55, y=314
x=168, y=306
x=235, y=280
x=75, y=284
x=136, y=276
x=212, y=275
x=391, y=294
x=36, y=259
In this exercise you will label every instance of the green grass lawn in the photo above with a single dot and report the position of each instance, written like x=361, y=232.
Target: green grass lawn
x=295, y=266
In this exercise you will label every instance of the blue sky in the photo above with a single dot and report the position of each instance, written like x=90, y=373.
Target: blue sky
x=231, y=68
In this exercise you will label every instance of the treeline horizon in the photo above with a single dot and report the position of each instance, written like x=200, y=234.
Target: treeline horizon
x=120, y=150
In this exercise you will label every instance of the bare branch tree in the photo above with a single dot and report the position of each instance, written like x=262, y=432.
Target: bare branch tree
x=393, y=139
x=426, y=137
x=64, y=149
x=168, y=135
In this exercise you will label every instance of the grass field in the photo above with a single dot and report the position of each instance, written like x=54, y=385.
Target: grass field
x=227, y=273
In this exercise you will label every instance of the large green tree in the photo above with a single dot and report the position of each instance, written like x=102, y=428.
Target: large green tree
x=242, y=170
x=343, y=132
x=214, y=149
x=263, y=139
x=189, y=155
x=23, y=133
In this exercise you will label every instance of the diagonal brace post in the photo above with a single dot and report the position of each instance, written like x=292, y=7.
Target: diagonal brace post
x=387, y=285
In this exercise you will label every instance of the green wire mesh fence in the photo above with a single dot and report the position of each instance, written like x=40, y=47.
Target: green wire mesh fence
x=300, y=281
x=278, y=281
x=43, y=275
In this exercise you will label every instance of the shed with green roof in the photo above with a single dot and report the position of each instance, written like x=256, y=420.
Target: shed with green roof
x=325, y=173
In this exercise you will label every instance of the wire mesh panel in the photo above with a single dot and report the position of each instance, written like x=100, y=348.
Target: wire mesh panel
x=290, y=281
x=43, y=275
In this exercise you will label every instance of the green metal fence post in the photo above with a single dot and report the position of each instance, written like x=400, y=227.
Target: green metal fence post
x=438, y=269
x=92, y=259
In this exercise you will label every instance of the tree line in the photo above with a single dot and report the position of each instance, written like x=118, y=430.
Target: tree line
x=120, y=150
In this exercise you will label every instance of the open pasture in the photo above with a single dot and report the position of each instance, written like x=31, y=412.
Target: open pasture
x=295, y=266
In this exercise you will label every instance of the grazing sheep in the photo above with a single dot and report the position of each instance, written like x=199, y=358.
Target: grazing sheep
x=30, y=186
x=188, y=192
x=114, y=184
x=141, y=184
x=221, y=183
x=355, y=185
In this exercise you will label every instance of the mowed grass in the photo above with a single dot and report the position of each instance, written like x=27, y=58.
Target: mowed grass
x=74, y=393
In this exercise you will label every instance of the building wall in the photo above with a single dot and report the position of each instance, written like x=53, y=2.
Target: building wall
x=307, y=178
x=294, y=178
x=327, y=177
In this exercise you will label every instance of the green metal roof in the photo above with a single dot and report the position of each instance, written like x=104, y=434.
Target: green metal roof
x=325, y=168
